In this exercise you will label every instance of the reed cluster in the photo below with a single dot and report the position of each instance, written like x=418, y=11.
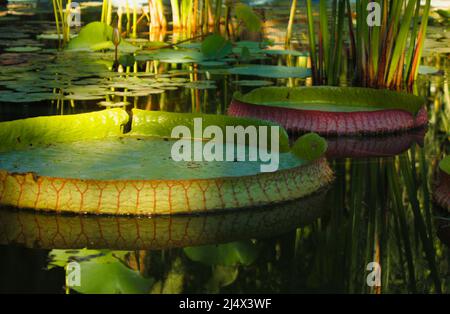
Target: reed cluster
x=381, y=39
x=61, y=11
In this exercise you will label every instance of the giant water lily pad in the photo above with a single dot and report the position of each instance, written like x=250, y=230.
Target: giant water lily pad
x=333, y=110
x=86, y=163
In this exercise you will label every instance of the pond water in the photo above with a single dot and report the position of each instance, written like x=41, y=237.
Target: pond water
x=379, y=208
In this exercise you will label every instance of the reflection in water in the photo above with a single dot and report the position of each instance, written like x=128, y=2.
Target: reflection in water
x=379, y=146
x=49, y=231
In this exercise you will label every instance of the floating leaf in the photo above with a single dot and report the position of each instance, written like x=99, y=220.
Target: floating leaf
x=286, y=52
x=102, y=272
x=246, y=14
x=444, y=165
x=229, y=254
x=113, y=104
x=310, y=147
x=171, y=56
x=272, y=71
x=127, y=60
x=96, y=36
x=23, y=49
x=201, y=85
x=427, y=70
x=216, y=47
x=253, y=83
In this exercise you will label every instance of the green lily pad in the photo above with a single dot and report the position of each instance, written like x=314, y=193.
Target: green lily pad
x=23, y=49
x=444, y=13
x=444, y=165
x=286, y=52
x=246, y=14
x=83, y=97
x=427, y=70
x=216, y=47
x=113, y=104
x=127, y=60
x=102, y=272
x=252, y=45
x=96, y=36
x=201, y=85
x=212, y=63
x=229, y=254
x=272, y=71
x=253, y=83
x=171, y=56
x=310, y=147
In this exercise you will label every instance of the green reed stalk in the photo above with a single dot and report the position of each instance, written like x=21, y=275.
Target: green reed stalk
x=290, y=23
x=56, y=14
x=162, y=17
x=62, y=27
x=217, y=16
x=104, y=10
x=175, y=13
x=324, y=33
x=134, y=34
x=109, y=13
x=425, y=237
x=312, y=40
x=400, y=43
x=186, y=12
x=396, y=196
x=412, y=76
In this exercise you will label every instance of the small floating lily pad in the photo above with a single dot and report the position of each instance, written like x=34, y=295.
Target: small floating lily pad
x=444, y=165
x=427, y=70
x=201, y=85
x=253, y=83
x=294, y=53
x=23, y=49
x=96, y=36
x=102, y=271
x=310, y=146
x=113, y=104
x=229, y=254
x=272, y=71
x=216, y=47
x=171, y=56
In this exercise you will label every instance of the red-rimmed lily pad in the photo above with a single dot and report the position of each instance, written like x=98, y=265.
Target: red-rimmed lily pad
x=86, y=164
x=333, y=110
